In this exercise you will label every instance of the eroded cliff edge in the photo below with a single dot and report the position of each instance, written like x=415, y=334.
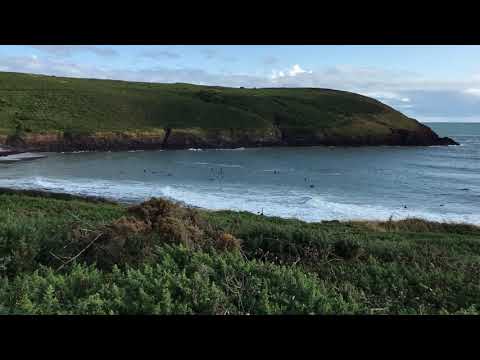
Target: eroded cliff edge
x=219, y=138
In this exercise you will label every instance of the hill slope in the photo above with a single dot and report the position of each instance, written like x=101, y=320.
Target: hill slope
x=55, y=113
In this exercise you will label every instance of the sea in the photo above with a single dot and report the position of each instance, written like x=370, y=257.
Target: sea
x=438, y=183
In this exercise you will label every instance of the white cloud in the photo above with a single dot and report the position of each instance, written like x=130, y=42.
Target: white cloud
x=472, y=91
x=294, y=71
x=385, y=95
x=277, y=74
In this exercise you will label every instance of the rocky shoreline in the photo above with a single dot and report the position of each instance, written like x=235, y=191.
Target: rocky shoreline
x=214, y=139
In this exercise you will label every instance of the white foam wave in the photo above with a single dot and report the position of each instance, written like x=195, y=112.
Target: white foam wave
x=286, y=204
x=219, y=165
x=306, y=208
x=234, y=149
x=129, y=191
x=77, y=152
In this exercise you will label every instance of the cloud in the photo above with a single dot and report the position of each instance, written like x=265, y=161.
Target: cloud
x=384, y=95
x=68, y=50
x=294, y=71
x=471, y=91
x=64, y=67
x=49, y=66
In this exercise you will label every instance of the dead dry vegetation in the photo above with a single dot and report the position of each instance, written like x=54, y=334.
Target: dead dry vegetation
x=132, y=239
x=417, y=225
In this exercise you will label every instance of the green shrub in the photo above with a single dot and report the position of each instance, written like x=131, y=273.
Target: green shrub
x=348, y=249
x=182, y=282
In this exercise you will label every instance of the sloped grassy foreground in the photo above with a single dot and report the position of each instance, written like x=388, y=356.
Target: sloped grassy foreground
x=65, y=255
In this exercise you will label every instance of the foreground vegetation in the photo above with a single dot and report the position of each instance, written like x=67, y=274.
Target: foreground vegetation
x=66, y=255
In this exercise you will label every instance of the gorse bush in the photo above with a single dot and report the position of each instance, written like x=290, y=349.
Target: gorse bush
x=181, y=282
x=132, y=238
x=348, y=249
x=32, y=228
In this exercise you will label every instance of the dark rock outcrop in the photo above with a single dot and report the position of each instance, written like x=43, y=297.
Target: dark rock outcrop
x=225, y=138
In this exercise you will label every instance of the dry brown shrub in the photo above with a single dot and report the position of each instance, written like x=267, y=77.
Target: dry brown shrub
x=132, y=239
x=174, y=230
x=418, y=225
x=227, y=242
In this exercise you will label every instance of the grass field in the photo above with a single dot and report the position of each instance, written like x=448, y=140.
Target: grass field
x=46, y=104
x=169, y=259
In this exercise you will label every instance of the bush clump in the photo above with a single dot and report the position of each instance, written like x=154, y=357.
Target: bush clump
x=182, y=281
x=133, y=238
x=348, y=249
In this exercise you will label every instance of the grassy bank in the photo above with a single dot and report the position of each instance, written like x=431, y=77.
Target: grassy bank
x=67, y=255
x=47, y=103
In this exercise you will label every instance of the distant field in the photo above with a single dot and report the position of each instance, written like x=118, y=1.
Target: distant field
x=36, y=103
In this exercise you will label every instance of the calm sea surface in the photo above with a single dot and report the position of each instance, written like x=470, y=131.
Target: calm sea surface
x=316, y=183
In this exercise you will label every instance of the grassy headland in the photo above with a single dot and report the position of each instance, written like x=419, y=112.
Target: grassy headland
x=68, y=255
x=56, y=113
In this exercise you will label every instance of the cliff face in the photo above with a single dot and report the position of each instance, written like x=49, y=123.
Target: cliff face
x=222, y=138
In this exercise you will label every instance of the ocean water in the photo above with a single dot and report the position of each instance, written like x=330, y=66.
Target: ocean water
x=439, y=183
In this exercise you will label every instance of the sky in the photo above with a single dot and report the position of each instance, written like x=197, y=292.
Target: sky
x=428, y=83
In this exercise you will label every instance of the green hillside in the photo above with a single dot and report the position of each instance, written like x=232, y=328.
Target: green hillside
x=48, y=113
x=48, y=103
